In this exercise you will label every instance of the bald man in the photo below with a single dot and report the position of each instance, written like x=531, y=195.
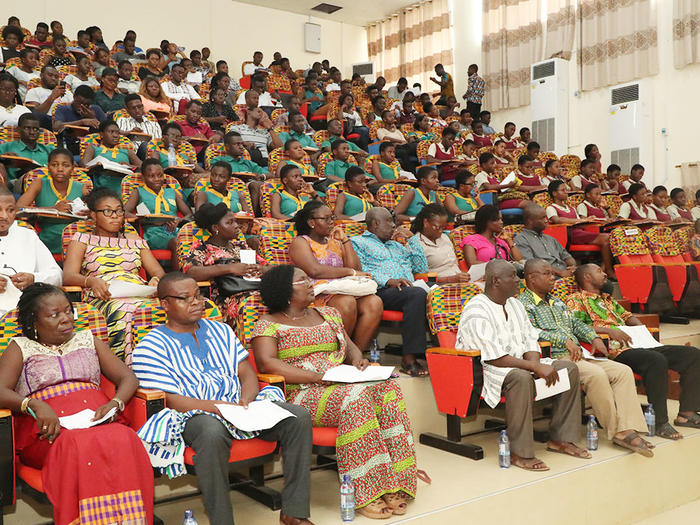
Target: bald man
x=392, y=266
x=594, y=306
x=609, y=386
x=496, y=324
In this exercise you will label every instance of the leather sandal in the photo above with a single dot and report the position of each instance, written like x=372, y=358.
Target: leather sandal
x=397, y=502
x=376, y=510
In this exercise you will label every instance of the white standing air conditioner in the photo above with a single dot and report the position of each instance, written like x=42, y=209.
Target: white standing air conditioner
x=365, y=70
x=630, y=126
x=549, y=104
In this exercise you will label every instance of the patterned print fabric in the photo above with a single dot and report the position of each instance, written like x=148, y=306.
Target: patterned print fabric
x=374, y=444
x=597, y=310
x=660, y=241
x=445, y=304
x=275, y=238
x=627, y=240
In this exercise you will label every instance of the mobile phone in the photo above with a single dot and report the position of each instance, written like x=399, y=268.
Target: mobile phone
x=62, y=83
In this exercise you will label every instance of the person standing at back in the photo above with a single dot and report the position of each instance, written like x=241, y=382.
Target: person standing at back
x=475, y=91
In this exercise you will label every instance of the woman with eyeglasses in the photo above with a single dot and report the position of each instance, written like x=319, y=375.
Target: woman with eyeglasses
x=325, y=253
x=489, y=241
x=301, y=342
x=95, y=259
x=10, y=110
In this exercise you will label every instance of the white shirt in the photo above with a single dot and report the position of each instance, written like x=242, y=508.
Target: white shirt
x=131, y=86
x=582, y=209
x=10, y=116
x=21, y=251
x=263, y=100
x=551, y=210
x=40, y=94
x=432, y=149
x=673, y=212
x=250, y=69
x=695, y=211
x=626, y=208
x=395, y=93
x=178, y=92
x=74, y=82
x=483, y=326
x=147, y=126
x=481, y=178
x=332, y=87
x=22, y=76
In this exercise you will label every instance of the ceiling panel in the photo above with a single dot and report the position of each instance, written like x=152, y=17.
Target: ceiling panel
x=356, y=12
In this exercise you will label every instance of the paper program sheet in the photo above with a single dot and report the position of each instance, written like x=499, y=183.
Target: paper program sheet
x=350, y=374
x=260, y=415
x=83, y=419
x=543, y=391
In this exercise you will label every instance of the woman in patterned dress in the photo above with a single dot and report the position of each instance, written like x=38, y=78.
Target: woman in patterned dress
x=220, y=254
x=374, y=443
x=94, y=260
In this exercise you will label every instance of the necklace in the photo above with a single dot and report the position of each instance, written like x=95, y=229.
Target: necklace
x=295, y=318
x=54, y=348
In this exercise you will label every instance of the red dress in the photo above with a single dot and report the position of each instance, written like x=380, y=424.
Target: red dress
x=594, y=211
x=661, y=214
x=447, y=171
x=577, y=235
x=482, y=140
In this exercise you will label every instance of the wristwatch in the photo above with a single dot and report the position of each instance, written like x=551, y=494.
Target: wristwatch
x=120, y=403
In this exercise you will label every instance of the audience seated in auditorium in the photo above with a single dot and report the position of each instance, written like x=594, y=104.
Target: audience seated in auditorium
x=110, y=148
x=678, y=207
x=584, y=177
x=325, y=253
x=429, y=236
x=497, y=323
x=42, y=99
x=392, y=266
x=609, y=386
x=413, y=199
x=107, y=254
x=40, y=38
x=129, y=52
x=636, y=207
x=594, y=205
x=595, y=306
x=127, y=85
x=23, y=73
x=12, y=37
x=398, y=92
x=258, y=135
x=60, y=57
x=219, y=177
x=153, y=96
x=444, y=154
x=139, y=129
x=194, y=127
x=612, y=183
x=26, y=146
x=552, y=172
x=489, y=241
x=659, y=203
x=152, y=67
x=592, y=154
x=460, y=204
x=289, y=200
x=217, y=112
x=81, y=112
x=353, y=121
x=353, y=202
x=82, y=75
x=108, y=97
x=101, y=61
x=478, y=136
x=199, y=363
x=177, y=89
x=265, y=99
x=295, y=155
x=301, y=344
x=532, y=243
x=50, y=370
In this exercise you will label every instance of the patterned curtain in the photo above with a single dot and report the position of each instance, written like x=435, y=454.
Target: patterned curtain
x=561, y=27
x=512, y=42
x=618, y=41
x=410, y=43
x=686, y=32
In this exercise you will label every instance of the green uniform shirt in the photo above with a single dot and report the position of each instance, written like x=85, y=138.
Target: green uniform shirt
x=239, y=165
x=304, y=140
x=40, y=154
x=52, y=229
x=353, y=147
x=337, y=168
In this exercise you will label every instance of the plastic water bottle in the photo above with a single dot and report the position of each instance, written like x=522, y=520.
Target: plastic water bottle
x=650, y=418
x=189, y=518
x=503, y=450
x=374, y=356
x=591, y=434
x=172, y=156
x=347, y=499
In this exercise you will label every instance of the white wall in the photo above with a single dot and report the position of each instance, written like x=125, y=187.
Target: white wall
x=232, y=30
x=467, y=31
x=674, y=101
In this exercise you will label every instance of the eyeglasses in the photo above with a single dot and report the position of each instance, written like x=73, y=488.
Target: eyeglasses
x=187, y=299
x=107, y=212
x=305, y=280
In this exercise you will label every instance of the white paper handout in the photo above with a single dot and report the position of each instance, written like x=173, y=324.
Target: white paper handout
x=109, y=165
x=83, y=419
x=142, y=209
x=543, y=391
x=194, y=78
x=641, y=337
x=587, y=355
x=77, y=206
x=350, y=374
x=477, y=271
x=10, y=297
x=119, y=289
x=420, y=283
x=247, y=256
x=507, y=180
x=407, y=175
x=359, y=217
x=259, y=415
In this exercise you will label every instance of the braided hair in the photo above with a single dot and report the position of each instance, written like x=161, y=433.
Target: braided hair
x=276, y=287
x=29, y=302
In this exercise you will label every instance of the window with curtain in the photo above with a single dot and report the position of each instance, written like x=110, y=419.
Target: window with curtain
x=686, y=32
x=410, y=43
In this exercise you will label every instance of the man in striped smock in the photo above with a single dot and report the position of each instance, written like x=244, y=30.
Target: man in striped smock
x=200, y=363
x=497, y=324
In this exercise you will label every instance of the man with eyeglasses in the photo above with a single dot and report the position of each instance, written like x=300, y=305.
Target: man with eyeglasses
x=27, y=146
x=200, y=363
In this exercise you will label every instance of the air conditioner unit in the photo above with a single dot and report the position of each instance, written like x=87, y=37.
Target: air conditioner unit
x=549, y=104
x=630, y=126
x=365, y=70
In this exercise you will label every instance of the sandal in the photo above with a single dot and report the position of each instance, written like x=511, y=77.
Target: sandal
x=376, y=510
x=690, y=421
x=532, y=464
x=666, y=431
x=626, y=442
x=397, y=502
x=414, y=369
x=570, y=449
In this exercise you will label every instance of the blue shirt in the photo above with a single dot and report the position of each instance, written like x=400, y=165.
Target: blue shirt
x=388, y=260
x=67, y=114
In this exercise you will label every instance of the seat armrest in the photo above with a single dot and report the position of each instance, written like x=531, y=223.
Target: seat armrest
x=272, y=379
x=428, y=276
x=7, y=459
x=143, y=405
x=545, y=348
x=453, y=351
x=649, y=320
x=72, y=289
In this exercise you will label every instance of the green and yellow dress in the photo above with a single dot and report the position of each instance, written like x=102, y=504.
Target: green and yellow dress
x=232, y=199
x=419, y=201
x=52, y=229
x=113, y=181
x=290, y=205
x=162, y=203
x=355, y=205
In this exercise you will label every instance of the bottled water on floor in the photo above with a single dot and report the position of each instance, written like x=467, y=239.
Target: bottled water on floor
x=591, y=434
x=347, y=499
x=374, y=356
x=189, y=518
x=503, y=450
x=650, y=418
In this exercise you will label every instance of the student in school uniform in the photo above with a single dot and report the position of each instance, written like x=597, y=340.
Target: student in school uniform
x=414, y=199
x=289, y=200
x=355, y=199
x=678, y=208
x=218, y=191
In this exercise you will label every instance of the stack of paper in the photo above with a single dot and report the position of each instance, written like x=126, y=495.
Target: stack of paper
x=109, y=165
x=83, y=419
x=543, y=391
x=350, y=374
x=118, y=289
x=419, y=283
x=259, y=415
x=641, y=337
x=10, y=297
x=509, y=178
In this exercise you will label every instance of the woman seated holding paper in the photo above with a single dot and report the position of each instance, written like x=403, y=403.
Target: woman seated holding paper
x=220, y=256
x=54, y=371
x=490, y=241
x=57, y=191
x=108, y=258
x=301, y=343
x=325, y=253
x=285, y=204
x=428, y=228
x=111, y=150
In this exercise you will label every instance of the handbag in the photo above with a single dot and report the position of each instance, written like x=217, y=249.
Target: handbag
x=356, y=285
x=228, y=285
